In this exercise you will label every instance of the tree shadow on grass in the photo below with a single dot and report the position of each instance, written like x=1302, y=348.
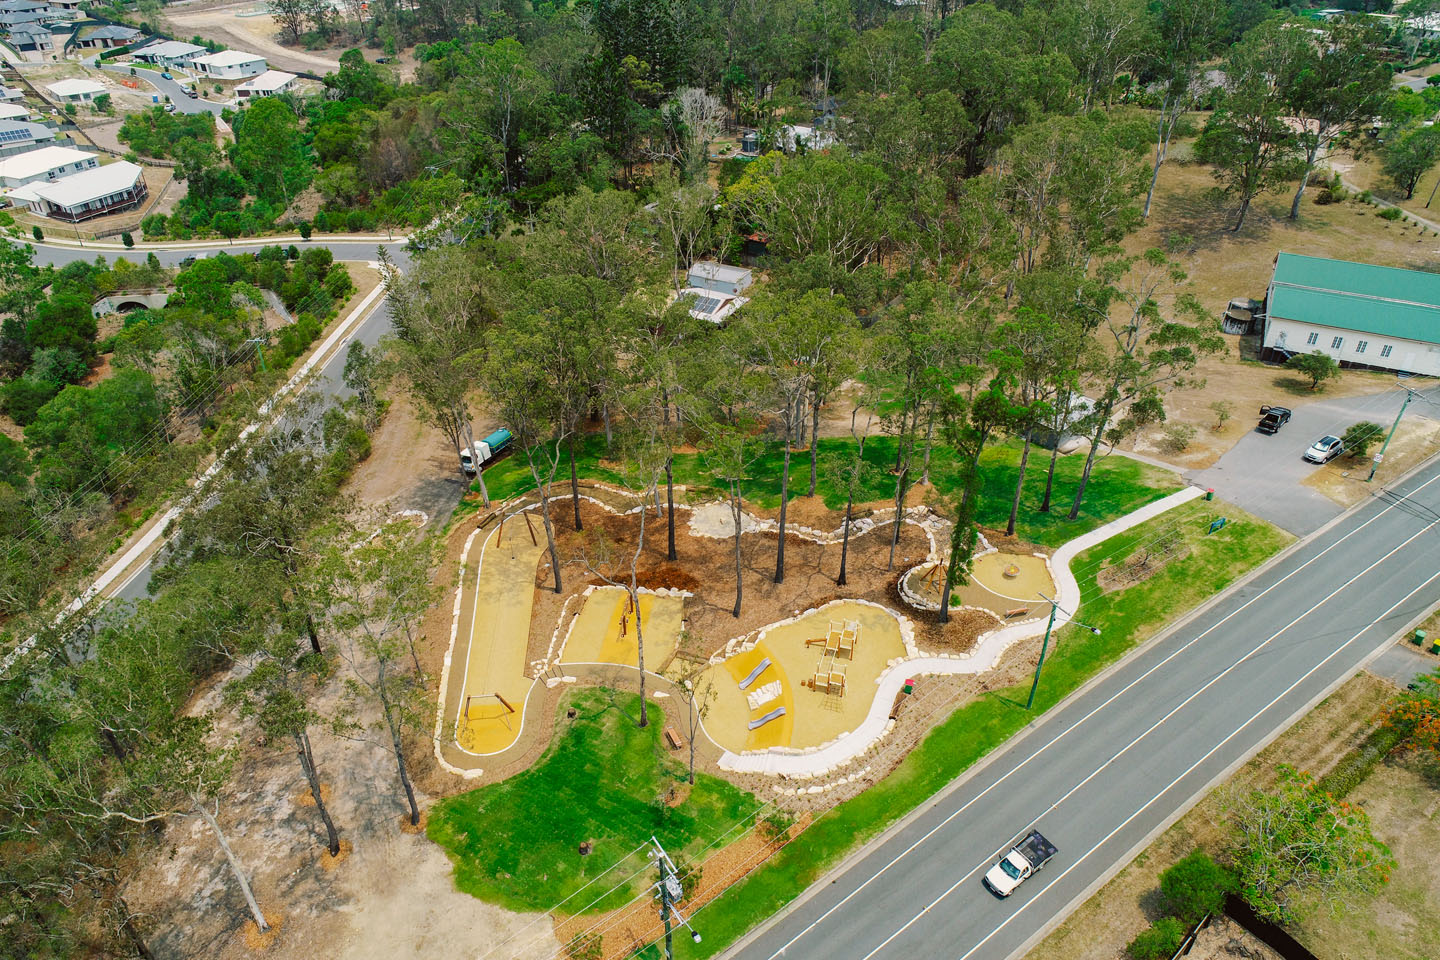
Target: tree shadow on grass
x=1297, y=387
x=1204, y=218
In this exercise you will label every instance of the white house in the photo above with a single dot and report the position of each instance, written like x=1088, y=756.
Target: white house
x=229, y=65
x=47, y=164
x=11, y=94
x=1360, y=314
x=92, y=193
x=167, y=53
x=267, y=84
x=72, y=90
x=711, y=305
x=719, y=277
x=13, y=111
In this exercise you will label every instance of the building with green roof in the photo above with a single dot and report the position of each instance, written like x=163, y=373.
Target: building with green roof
x=1387, y=318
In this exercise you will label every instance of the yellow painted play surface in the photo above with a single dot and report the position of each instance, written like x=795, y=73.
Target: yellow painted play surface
x=989, y=588
x=499, y=634
x=812, y=717
x=604, y=630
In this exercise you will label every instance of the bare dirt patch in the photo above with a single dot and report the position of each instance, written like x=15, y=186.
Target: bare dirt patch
x=1101, y=927
x=257, y=34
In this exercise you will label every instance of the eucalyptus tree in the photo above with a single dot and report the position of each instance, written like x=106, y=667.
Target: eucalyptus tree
x=1186, y=34
x=1149, y=348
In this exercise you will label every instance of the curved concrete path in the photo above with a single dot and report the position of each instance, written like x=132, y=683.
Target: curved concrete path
x=986, y=655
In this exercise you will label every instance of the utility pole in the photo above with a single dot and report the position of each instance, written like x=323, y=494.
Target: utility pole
x=670, y=892
x=1380, y=457
x=259, y=348
x=1045, y=646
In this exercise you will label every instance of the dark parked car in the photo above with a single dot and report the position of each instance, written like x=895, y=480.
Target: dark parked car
x=1325, y=449
x=1273, y=418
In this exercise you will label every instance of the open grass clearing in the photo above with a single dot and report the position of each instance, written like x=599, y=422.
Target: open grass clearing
x=1118, y=485
x=1127, y=616
x=604, y=780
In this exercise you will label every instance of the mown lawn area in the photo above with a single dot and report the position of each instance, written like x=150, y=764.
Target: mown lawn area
x=1205, y=564
x=516, y=843
x=1117, y=485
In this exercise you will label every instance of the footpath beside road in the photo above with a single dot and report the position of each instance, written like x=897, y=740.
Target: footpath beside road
x=1110, y=768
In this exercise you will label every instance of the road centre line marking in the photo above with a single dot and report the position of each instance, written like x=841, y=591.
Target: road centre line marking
x=1098, y=770
x=1197, y=763
x=1061, y=735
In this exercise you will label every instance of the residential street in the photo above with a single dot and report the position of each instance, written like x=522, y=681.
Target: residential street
x=1110, y=769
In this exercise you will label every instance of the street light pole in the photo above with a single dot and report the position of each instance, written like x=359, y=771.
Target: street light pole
x=1045, y=646
x=1379, y=457
x=670, y=894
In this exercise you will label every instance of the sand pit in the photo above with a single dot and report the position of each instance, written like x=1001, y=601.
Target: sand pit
x=492, y=703
x=604, y=631
x=1000, y=583
x=812, y=717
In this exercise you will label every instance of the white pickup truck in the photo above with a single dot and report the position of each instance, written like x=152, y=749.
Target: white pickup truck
x=1022, y=862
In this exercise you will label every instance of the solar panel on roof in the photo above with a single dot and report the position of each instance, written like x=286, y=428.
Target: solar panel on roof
x=708, y=304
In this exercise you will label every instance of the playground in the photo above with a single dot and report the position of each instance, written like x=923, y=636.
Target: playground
x=803, y=682
x=608, y=629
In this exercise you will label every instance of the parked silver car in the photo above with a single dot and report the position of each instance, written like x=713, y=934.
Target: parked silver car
x=1325, y=449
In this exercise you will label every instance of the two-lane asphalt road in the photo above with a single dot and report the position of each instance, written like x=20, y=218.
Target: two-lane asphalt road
x=1114, y=765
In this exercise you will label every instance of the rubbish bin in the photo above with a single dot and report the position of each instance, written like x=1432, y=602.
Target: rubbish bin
x=1210, y=493
x=1419, y=638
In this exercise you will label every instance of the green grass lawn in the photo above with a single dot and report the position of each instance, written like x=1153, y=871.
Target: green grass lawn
x=1117, y=485
x=516, y=843
x=1126, y=617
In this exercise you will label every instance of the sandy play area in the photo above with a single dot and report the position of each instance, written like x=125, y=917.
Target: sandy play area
x=793, y=653
x=500, y=631
x=1008, y=585
x=605, y=629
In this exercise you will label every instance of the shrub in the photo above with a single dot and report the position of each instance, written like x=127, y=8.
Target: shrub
x=1390, y=213
x=126, y=239
x=774, y=827
x=293, y=252
x=153, y=225
x=1159, y=942
x=306, y=229
x=37, y=233
x=1177, y=437
x=1195, y=886
x=1365, y=196
x=1360, y=436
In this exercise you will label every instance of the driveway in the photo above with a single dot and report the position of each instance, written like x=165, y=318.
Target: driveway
x=1262, y=473
x=184, y=103
x=1400, y=663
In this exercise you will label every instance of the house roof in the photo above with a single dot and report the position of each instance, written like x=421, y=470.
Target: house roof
x=29, y=30
x=228, y=58
x=74, y=87
x=1385, y=301
x=16, y=131
x=79, y=188
x=711, y=270
x=13, y=111
x=112, y=32
x=169, y=49
x=270, y=80
x=40, y=161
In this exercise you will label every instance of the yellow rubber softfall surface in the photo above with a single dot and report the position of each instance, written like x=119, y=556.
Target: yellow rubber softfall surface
x=729, y=713
x=499, y=634
x=605, y=632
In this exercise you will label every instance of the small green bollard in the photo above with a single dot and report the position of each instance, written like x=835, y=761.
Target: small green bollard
x=1419, y=638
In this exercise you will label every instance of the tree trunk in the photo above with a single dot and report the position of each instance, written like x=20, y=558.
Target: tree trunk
x=1162, y=145
x=605, y=414
x=929, y=442
x=814, y=441
x=545, y=516
x=670, y=507
x=1089, y=463
x=845, y=539
x=1240, y=220
x=1304, y=181
x=900, y=445
x=735, y=514
x=784, y=502
x=899, y=512
x=395, y=742
x=132, y=933
x=234, y=867
x=311, y=633
x=634, y=593
x=1019, y=486
x=575, y=487
x=1050, y=475
x=312, y=777
x=469, y=433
